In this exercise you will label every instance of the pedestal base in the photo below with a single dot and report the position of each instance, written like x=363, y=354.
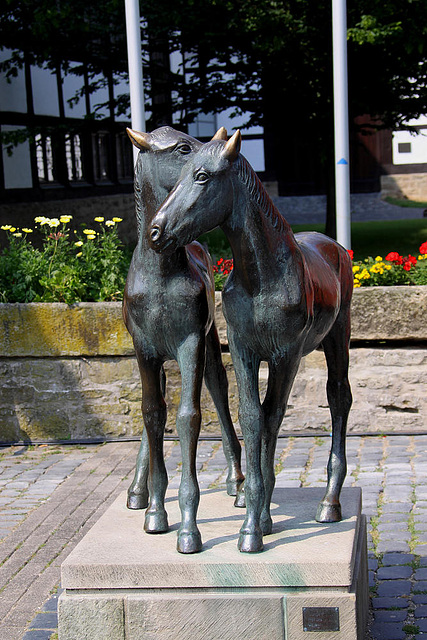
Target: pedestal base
x=310, y=582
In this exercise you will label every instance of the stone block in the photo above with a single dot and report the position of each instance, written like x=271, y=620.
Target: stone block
x=90, y=617
x=310, y=577
x=203, y=617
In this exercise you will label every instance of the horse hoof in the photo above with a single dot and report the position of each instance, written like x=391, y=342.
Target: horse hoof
x=189, y=542
x=250, y=542
x=137, y=500
x=156, y=522
x=233, y=485
x=240, y=500
x=327, y=512
x=266, y=525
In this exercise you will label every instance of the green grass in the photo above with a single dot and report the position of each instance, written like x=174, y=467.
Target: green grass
x=406, y=203
x=367, y=238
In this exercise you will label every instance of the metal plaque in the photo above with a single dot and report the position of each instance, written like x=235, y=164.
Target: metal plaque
x=320, y=618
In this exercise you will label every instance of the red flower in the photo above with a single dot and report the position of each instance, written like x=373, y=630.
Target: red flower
x=423, y=248
x=407, y=266
x=393, y=256
x=411, y=259
x=351, y=253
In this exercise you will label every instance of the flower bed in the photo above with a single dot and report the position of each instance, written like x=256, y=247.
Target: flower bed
x=392, y=270
x=68, y=266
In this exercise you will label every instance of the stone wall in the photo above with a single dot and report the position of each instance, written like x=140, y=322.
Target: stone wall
x=405, y=185
x=70, y=372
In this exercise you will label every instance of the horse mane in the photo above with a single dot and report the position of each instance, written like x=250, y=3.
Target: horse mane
x=259, y=195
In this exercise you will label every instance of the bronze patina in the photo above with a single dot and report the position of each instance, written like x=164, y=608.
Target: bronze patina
x=286, y=296
x=168, y=309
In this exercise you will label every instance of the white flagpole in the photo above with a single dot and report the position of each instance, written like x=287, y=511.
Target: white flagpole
x=136, y=85
x=342, y=154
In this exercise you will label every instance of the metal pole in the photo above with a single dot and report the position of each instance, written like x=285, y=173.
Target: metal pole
x=342, y=155
x=136, y=86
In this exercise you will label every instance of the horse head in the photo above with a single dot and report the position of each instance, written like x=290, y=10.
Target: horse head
x=170, y=150
x=202, y=198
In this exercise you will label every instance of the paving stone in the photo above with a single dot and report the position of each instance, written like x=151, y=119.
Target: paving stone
x=383, y=602
x=394, y=573
x=390, y=559
x=421, y=574
x=393, y=588
x=388, y=546
x=383, y=615
x=421, y=611
x=387, y=631
x=37, y=634
x=419, y=598
x=45, y=620
x=420, y=585
x=422, y=624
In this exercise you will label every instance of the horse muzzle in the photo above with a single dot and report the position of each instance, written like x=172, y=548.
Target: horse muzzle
x=159, y=241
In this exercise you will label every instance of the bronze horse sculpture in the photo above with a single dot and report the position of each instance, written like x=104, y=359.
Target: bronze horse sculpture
x=168, y=309
x=286, y=296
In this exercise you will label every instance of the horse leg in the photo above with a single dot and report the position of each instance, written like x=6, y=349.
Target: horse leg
x=154, y=415
x=336, y=347
x=217, y=384
x=246, y=367
x=191, y=361
x=280, y=381
x=138, y=490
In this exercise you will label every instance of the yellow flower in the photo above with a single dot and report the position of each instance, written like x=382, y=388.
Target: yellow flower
x=117, y=219
x=78, y=244
x=6, y=227
x=42, y=220
x=91, y=237
x=18, y=235
x=378, y=259
x=53, y=222
x=357, y=284
x=99, y=219
x=25, y=230
x=110, y=223
x=356, y=268
x=387, y=267
x=12, y=229
x=365, y=275
x=79, y=254
x=89, y=232
x=65, y=219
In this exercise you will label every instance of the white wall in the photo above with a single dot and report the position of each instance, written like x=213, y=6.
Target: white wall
x=71, y=84
x=45, y=92
x=17, y=168
x=417, y=150
x=13, y=96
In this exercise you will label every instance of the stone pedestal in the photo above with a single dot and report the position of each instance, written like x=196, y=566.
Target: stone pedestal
x=309, y=583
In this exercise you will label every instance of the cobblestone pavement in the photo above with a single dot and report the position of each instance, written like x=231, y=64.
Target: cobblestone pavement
x=363, y=206
x=51, y=496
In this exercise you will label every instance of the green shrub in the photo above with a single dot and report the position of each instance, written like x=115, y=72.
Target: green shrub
x=69, y=267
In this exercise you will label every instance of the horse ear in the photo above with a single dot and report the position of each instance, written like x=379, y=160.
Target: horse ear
x=221, y=134
x=232, y=147
x=140, y=139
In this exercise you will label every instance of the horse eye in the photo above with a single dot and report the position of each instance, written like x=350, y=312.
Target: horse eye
x=202, y=177
x=184, y=149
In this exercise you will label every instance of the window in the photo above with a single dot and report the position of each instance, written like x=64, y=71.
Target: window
x=44, y=157
x=73, y=158
x=404, y=147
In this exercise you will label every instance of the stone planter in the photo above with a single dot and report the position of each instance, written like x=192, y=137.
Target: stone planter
x=70, y=372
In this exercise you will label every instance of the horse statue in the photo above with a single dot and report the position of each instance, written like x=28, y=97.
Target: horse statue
x=168, y=309
x=286, y=296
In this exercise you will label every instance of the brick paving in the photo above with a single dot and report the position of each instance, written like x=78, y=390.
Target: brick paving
x=50, y=496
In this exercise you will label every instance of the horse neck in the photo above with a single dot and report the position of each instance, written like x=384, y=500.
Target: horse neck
x=149, y=195
x=264, y=247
